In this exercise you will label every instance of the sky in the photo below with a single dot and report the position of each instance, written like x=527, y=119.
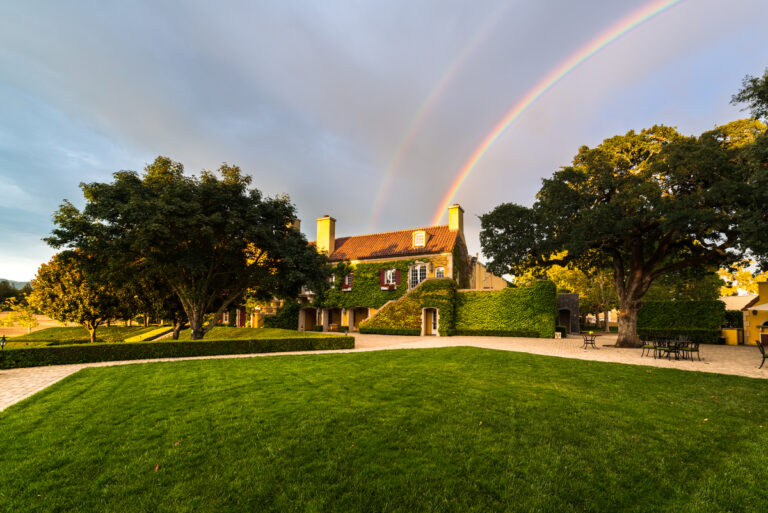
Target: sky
x=332, y=102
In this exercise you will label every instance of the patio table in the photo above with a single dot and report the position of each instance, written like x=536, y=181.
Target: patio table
x=589, y=340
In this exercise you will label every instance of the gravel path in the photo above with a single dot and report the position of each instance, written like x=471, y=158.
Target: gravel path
x=18, y=384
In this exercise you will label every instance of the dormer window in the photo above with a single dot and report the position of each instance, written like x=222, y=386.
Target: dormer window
x=419, y=239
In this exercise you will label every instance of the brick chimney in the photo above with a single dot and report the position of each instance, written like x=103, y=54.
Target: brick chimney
x=326, y=234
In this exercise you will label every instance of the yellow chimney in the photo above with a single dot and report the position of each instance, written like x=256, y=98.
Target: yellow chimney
x=326, y=234
x=456, y=218
x=762, y=290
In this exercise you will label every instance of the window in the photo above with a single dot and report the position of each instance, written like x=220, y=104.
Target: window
x=225, y=318
x=419, y=239
x=440, y=272
x=390, y=277
x=348, y=280
x=417, y=275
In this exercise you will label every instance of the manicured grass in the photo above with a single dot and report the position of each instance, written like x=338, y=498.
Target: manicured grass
x=78, y=335
x=228, y=333
x=454, y=429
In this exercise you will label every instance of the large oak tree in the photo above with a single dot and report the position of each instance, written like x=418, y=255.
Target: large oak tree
x=647, y=205
x=210, y=238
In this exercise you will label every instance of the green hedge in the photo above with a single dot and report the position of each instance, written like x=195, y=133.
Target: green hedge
x=85, y=353
x=734, y=319
x=494, y=333
x=287, y=316
x=405, y=313
x=681, y=315
x=389, y=331
x=701, y=336
x=529, y=310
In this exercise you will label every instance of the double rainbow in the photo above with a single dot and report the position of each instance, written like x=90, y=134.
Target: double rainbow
x=595, y=45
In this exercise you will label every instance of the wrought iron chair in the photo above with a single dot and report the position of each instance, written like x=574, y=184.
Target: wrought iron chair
x=650, y=345
x=689, y=348
x=761, y=346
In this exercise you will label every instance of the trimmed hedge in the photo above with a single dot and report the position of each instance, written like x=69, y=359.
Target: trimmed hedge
x=701, y=336
x=494, y=333
x=86, y=353
x=528, y=310
x=681, y=315
x=389, y=331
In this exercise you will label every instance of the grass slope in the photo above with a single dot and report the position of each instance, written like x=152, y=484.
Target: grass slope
x=79, y=335
x=228, y=333
x=455, y=429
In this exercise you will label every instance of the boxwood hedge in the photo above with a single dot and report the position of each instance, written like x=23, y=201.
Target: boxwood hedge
x=85, y=353
x=700, y=321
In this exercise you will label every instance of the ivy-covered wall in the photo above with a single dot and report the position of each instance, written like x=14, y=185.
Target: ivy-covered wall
x=526, y=311
x=366, y=289
x=405, y=314
x=461, y=264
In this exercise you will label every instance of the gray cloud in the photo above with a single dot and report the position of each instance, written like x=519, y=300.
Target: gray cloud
x=312, y=98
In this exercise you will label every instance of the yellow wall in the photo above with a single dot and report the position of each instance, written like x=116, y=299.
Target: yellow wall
x=731, y=336
x=752, y=321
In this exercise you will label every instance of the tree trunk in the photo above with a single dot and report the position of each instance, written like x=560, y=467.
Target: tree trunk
x=146, y=321
x=195, y=316
x=91, y=327
x=177, y=325
x=606, y=315
x=628, y=325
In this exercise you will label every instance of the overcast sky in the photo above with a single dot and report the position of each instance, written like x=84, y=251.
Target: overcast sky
x=314, y=98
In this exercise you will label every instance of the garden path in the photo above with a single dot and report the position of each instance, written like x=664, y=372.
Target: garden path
x=18, y=384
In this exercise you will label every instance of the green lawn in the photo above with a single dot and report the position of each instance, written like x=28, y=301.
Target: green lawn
x=227, y=333
x=454, y=429
x=77, y=335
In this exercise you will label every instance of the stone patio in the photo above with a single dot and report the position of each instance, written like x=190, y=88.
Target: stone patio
x=18, y=384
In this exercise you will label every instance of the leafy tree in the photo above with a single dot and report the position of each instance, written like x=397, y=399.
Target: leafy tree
x=646, y=204
x=754, y=92
x=689, y=284
x=63, y=291
x=153, y=297
x=740, y=277
x=21, y=314
x=210, y=237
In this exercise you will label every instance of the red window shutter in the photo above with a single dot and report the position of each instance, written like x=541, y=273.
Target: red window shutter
x=381, y=277
x=397, y=277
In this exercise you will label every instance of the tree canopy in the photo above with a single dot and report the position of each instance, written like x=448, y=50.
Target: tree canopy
x=754, y=92
x=210, y=238
x=645, y=204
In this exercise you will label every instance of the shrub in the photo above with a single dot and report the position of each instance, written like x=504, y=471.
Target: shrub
x=85, y=353
x=389, y=331
x=287, y=316
x=695, y=335
x=734, y=319
x=528, y=310
x=317, y=327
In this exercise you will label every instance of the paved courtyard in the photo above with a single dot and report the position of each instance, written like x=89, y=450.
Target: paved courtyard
x=18, y=384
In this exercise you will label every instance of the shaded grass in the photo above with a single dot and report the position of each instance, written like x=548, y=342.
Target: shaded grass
x=229, y=333
x=453, y=429
x=78, y=335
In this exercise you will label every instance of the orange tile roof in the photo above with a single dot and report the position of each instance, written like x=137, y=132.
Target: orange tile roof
x=393, y=244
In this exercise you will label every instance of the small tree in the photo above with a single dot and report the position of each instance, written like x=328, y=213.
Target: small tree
x=647, y=204
x=21, y=314
x=63, y=291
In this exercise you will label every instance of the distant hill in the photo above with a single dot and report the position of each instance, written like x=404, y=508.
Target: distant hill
x=16, y=284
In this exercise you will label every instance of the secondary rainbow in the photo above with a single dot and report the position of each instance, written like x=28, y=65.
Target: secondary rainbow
x=595, y=45
x=487, y=28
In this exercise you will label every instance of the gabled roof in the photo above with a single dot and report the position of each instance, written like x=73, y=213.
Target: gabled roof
x=751, y=303
x=393, y=244
x=738, y=302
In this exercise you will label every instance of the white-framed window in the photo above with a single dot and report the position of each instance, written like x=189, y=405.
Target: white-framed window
x=390, y=277
x=440, y=272
x=225, y=318
x=348, y=280
x=417, y=274
x=419, y=239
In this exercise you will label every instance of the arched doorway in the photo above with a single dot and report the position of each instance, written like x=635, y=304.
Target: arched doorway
x=430, y=322
x=564, y=319
x=358, y=314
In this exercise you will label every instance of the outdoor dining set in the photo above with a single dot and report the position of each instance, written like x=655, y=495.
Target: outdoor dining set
x=680, y=348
